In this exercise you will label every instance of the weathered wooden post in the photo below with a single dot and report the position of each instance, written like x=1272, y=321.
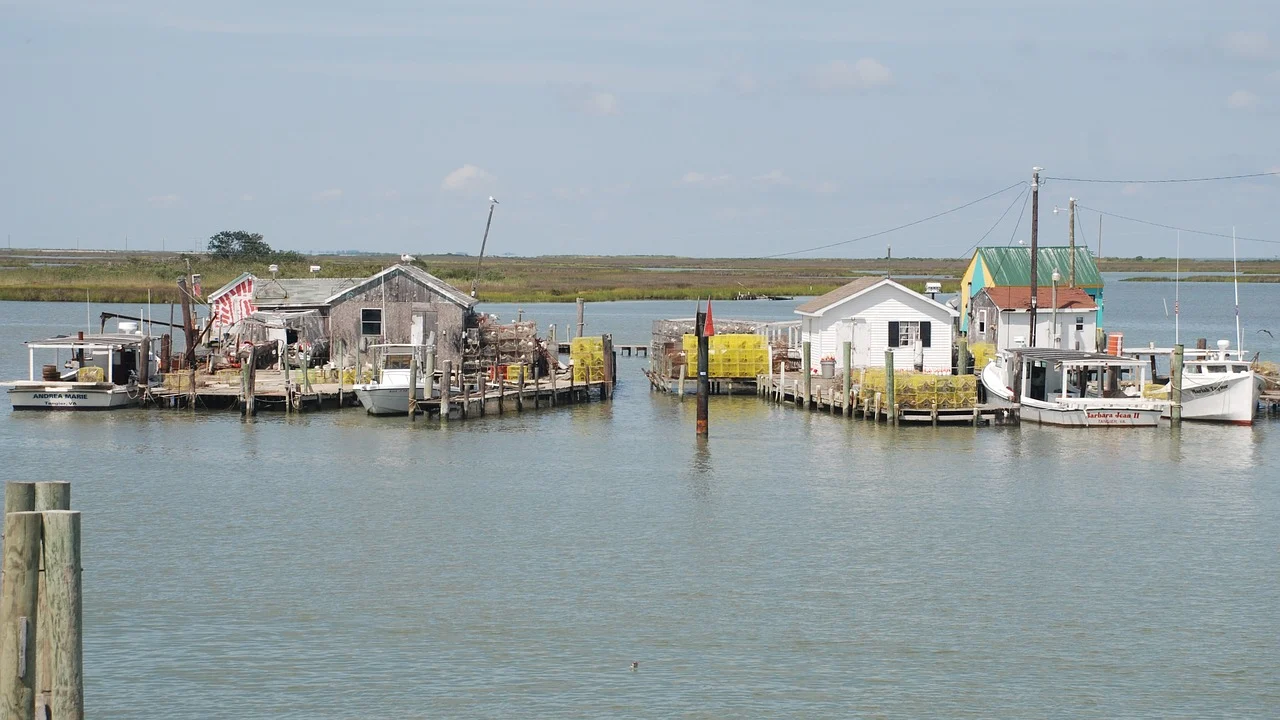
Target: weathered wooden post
x=60, y=612
x=684, y=369
x=282, y=348
x=413, y=386
x=846, y=350
x=806, y=369
x=582, y=304
x=52, y=495
x=554, y=384
x=702, y=428
x=19, y=497
x=610, y=360
x=466, y=395
x=962, y=356
x=19, y=615
x=446, y=385
x=520, y=390
x=890, y=399
x=1175, y=386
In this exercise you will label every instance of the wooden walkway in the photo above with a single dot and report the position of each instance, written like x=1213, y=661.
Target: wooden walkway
x=493, y=397
x=828, y=396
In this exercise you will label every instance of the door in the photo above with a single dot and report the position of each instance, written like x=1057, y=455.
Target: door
x=422, y=327
x=861, y=343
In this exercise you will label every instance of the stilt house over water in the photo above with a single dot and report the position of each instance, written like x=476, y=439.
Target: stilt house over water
x=402, y=304
x=1011, y=267
x=875, y=314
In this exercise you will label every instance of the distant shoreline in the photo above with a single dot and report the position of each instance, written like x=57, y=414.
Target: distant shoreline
x=128, y=277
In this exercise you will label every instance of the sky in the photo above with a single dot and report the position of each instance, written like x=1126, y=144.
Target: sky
x=691, y=128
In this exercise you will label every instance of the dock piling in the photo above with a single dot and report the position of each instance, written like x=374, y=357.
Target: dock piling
x=806, y=369
x=18, y=615
x=50, y=495
x=61, y=612
x=413, y=387
x=446, y=385
x=890, y=400
x=846, y=351
x=1175, y=386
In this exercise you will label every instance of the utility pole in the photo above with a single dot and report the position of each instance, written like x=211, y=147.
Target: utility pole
x=493, y=202
x=1071, y=233
x=1099, y=236
x=1035, y=248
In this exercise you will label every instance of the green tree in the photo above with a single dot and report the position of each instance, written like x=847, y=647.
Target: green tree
x=238, y=243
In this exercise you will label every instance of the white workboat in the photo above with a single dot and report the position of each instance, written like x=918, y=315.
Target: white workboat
x=100, y=372
x=388, y=394
x=1217, y=385
x=1066, y=388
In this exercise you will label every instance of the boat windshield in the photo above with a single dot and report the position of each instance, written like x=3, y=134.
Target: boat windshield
x=396, y=362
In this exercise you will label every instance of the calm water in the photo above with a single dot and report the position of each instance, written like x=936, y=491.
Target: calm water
x=337, y=566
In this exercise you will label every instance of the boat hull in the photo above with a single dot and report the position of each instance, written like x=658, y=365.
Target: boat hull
x=1085, y=415
x=73, y=396
x=386, y=399
x=1224, y=399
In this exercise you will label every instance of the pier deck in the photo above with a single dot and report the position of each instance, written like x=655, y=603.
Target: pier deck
x=827, y=395
x=495, y=397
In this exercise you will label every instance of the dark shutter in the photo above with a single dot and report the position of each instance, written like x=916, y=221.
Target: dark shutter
x=926, y=333
x=893, y=333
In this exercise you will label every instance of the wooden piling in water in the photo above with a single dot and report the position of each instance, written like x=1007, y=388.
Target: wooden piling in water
x=520, y=391
x=19, y=598
x=846, y=351
x=1175, y=386
x=684, y=370
x=446, y=385
x=890, y=400
x=50, y=495
x=19, y=497
x=413, y=386
x=61, y=612
x=806, y=369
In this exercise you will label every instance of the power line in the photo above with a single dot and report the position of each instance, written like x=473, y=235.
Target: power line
x=895, y=229
x=997, y=222
x=1174, y=227
x=1019, y=223
x=1270, y=173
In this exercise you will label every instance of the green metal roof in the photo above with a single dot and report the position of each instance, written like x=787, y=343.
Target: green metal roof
x=1012, y=265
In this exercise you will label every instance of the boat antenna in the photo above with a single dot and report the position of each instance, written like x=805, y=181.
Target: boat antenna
x=493, y=202
x=1235, y=280
x=1177, y=279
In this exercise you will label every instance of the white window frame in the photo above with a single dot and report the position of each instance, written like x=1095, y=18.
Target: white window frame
x=363, y=321
x=908, y=333
x=982, y=321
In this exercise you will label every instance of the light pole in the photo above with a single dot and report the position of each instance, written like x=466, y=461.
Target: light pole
x=1071, y=238
x=493, y=202
x=1053, y=333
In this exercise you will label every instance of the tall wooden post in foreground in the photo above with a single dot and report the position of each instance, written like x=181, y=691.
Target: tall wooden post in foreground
x=704, y=381
x=413, y=386
x=806, y=369
x=49, y=496
x=61, y=612
x=889, y=398
x=18, y=615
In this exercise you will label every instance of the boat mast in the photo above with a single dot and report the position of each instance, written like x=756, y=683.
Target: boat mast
x=1235, y=280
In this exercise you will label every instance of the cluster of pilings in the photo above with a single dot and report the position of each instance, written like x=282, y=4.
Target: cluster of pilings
x=41, y=651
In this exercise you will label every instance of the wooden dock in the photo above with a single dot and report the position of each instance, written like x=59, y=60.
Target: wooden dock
x=827, y=395
x=471, y=398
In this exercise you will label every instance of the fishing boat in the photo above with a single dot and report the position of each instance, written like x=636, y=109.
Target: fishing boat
x=1071, y=388
x=90, y=372
x=388, y=394
x=1217, y=385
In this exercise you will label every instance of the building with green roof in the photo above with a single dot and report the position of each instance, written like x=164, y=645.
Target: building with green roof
x=1011, y=267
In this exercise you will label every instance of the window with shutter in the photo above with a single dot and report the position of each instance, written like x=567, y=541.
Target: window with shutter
x=893, y=333
x=926, y=333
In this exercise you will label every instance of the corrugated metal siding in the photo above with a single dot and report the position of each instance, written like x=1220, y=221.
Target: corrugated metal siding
x=1012, y=265
x=878, y=308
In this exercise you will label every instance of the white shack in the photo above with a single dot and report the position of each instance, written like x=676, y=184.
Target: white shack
x=875, y=314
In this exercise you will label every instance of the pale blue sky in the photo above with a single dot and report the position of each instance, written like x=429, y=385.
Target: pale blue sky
x=698, y=128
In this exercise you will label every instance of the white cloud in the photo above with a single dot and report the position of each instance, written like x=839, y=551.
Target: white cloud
x=1242, y=100
x=704, y=180
x=467, y=177
x=865, y=74
x=246, y=197
x=328, y=195
x=1247, y=44
x=773, y=177
x=164, y=201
